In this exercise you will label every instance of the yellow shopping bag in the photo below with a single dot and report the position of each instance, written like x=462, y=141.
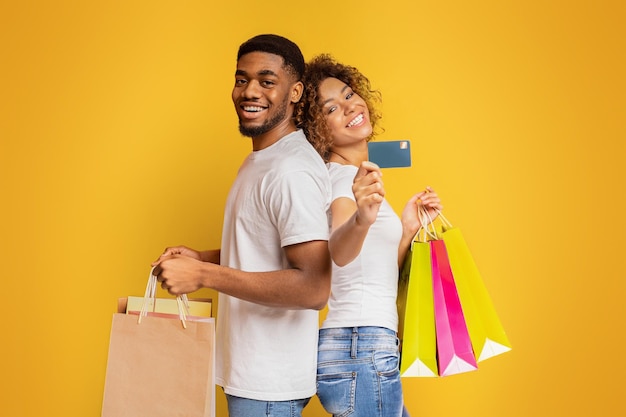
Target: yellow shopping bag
x=416, y=313
x=167, y=307
x=486, y=332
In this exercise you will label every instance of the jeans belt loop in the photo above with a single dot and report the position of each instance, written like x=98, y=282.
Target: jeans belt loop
x=355, y=340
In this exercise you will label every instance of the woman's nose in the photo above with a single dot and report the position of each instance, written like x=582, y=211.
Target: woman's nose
x=350, y=107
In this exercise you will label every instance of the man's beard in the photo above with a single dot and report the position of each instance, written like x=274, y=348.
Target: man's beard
x=255, y=131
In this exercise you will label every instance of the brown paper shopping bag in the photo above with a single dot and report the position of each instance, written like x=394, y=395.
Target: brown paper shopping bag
x=160, y=366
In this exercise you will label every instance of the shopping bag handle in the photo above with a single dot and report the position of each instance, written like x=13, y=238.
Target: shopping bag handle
x=150, y=295
x=427, y=228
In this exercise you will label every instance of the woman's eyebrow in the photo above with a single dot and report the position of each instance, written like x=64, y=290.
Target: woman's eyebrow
x=331, y=99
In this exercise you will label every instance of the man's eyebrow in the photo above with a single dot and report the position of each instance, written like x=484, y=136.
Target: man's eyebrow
x=331, y=99
x=262, y=72
x=267, y=72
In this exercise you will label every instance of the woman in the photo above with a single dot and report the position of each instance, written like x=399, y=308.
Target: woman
x=358, y=357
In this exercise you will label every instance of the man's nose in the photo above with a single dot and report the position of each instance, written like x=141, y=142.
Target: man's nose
x=252, y=90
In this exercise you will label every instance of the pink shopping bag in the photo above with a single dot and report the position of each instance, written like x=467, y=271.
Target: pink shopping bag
x=454, y=348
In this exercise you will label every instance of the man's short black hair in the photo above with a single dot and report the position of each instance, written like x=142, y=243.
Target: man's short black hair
x=277, y=45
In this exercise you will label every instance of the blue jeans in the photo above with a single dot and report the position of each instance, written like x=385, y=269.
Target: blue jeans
x=358, y=372
x=245, y=407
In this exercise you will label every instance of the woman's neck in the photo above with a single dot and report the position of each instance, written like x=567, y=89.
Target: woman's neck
x=346, y=159
x=348, y=156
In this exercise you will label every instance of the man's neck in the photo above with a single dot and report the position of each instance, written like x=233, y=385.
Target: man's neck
x=281, y=130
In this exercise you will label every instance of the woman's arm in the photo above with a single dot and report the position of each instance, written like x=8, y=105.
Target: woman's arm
x=351, y=220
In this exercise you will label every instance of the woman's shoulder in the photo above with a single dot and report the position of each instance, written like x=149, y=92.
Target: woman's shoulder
x=335, y=168
x=341, y=177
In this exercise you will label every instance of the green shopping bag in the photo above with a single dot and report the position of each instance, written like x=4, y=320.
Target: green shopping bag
x=416, y=313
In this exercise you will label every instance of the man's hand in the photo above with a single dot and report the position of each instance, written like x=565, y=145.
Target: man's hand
x=178, y=273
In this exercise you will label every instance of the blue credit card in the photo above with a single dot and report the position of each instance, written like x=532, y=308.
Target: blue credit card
x=390, y=154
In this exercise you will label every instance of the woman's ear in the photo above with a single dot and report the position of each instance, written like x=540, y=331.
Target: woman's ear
x=296, y=92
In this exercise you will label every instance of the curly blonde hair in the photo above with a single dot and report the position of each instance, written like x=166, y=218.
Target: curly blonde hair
x=309, y=115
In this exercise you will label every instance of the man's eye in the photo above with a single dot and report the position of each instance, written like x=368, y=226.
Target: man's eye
x=267, y=83
x=239, y=81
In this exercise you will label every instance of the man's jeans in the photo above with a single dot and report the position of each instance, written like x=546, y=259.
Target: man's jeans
x=245, y=407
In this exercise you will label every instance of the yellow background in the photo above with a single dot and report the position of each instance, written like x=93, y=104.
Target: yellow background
x=118, y=138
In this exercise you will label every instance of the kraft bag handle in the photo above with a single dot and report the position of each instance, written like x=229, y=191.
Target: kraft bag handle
x=150, y=295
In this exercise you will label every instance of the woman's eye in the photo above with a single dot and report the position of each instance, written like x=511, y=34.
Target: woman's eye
x=332, y=109
x=349, y=96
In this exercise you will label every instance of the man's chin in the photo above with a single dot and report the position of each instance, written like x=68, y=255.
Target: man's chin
x=252, y=131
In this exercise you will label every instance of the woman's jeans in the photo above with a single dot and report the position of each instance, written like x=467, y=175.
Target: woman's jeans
x=358, y=372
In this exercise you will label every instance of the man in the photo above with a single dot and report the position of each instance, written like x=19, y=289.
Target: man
x=274, y=266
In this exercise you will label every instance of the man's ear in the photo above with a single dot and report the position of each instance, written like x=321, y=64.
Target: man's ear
x=296, y=92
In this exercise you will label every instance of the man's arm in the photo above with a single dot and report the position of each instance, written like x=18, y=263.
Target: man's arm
x=306, y=285
x=211, y=255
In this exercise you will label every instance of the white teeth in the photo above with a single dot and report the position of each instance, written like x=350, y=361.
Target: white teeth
x=252, y=108
x=356, y=120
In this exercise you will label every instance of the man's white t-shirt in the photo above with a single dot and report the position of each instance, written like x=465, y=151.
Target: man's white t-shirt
x=281, y=197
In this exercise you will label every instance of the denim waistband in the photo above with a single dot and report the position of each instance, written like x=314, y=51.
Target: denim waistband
x=357, y=339
x=356, y=331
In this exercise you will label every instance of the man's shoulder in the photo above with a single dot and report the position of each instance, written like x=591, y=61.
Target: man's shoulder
x=296, y=152
x=295, y=139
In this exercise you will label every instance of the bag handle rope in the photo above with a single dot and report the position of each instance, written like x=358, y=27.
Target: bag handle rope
x=427, y=228
x=150, y=294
